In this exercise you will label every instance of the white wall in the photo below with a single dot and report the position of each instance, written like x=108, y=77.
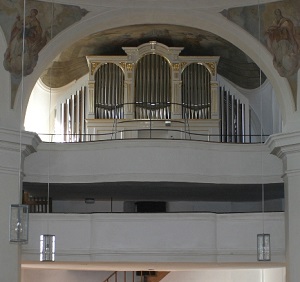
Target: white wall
x=176, y=237
x=37, y=275
x=206, y=274
x=152, y=160
x=38, y=111
x=45, y=101
x=263, y=104
x=228, y=275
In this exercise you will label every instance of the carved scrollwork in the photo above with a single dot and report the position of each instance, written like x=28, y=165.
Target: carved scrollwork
x=126, y=66
x=176, y=66
x=129, y=67
x=94, y=66
x=211, y=67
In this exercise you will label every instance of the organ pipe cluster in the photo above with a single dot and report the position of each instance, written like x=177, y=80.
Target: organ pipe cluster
x=109, y=92
x=153, y=88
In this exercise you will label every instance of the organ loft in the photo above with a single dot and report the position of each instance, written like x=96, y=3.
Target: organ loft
x=153, y=92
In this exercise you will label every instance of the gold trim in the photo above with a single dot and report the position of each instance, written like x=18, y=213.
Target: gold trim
x=126, y=66
x=176, y=66
x=129, y=67
x=93, y=67
x=212, y=67
x=183, y=64
x=123, y=65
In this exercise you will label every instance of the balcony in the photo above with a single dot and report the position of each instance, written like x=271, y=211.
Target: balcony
x=177, y=237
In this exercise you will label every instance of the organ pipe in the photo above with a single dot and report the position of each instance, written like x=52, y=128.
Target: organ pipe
x=152, y=88
x=109, y=92
x=72, y=117
x=232, y=115
x=196, y=92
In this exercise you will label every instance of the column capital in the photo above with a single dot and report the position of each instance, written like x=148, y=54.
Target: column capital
x=11, y=140
x=283, y=144
x=286, y=146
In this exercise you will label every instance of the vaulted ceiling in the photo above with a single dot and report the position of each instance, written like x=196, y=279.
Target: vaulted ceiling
x=234, y=64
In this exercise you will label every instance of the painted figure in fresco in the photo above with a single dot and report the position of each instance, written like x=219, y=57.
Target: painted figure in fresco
x=282, y=42
x=33, y=32
x=34, y=41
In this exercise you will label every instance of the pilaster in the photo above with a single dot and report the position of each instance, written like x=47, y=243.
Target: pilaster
x=12, y=154
x=129, y=91
x=176, y=109
x=286, y=146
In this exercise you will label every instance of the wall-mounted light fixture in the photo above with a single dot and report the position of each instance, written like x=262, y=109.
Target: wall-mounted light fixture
x=263, y=247
x=47, y=247
x=18, y=226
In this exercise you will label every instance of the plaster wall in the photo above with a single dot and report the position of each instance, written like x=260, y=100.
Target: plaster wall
x=36, y=275
x=152, y=160
x=163, y=237
x=208, y=275
x=227, y=275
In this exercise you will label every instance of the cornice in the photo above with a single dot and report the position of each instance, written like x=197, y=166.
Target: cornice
x=13, y=140
x=282, y=144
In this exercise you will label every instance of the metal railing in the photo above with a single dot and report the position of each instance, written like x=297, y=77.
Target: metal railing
x=157, y=128
x=135, y=276
x=115, y=135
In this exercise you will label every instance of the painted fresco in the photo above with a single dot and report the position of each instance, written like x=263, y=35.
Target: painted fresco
x=277, y=26
x=234, y=64
x=41, y=21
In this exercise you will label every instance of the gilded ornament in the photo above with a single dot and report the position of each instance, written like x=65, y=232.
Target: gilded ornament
x=126, y=66
x=123, y=65
x=93, y=67
x=176, y=67
x=212, y=67
x=129, y=67
x=183, y=64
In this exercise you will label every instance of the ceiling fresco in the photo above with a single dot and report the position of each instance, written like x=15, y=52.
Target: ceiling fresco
x=276, y=25
x=42, y=21
x=71, y=64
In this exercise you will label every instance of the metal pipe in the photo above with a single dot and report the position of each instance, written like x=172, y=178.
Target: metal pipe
x=68, y=118
x=62, y=118
x=101, y=92
x=144, y=99
x=77, y=117
x=83, y=95
x=96, y=93
x=223, y=118
x=238, y=121
x=243, y=123
x=227, y=116
x=232, y=119
x=209, y=94
x=202, y=87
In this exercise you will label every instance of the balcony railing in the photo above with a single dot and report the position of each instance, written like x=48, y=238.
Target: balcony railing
x=148, y=134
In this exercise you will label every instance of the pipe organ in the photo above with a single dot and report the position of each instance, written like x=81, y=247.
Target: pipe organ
x=153, y=81
x=72, y=117
x=234, y=116
x=109, y=92
x=152, y=88
x=196, y=92
x=154, y=93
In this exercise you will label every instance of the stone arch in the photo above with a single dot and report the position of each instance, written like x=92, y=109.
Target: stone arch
x=214, y=23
